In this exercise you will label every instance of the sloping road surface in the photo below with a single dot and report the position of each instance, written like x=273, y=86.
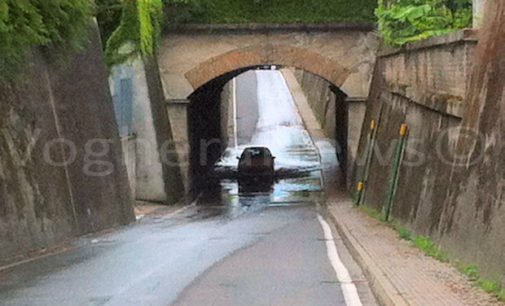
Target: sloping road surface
x=232, y=248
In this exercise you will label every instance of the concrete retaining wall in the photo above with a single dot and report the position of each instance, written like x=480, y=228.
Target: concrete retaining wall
x=178, y=116
x=149, y=185
x=247, y=106
x=473, y=222
x=62, y=172
x=227, y=122
x=441, y=192
x=246, y=95
x=129, y=146
x=153, y=162
x=321, y=99
x=340, y=117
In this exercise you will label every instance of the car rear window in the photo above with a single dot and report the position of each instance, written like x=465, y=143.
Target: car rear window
x=255, y=153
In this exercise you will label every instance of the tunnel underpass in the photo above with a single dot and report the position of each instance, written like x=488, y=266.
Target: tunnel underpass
x=213, y=129
x=256, y=107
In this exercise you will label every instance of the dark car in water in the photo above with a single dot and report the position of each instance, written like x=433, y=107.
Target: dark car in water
x=256, y=166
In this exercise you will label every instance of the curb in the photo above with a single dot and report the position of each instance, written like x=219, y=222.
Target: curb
x=384, y=291
x=381, y=286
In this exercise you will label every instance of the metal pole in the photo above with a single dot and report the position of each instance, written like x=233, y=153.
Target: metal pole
x=395, y=172
x=364, y=174
x=368, y=162
x=359, y=194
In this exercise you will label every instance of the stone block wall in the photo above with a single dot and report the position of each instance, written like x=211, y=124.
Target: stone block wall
x=434, y=73
x=423, y=85
x=443, y=191
x=343, y=53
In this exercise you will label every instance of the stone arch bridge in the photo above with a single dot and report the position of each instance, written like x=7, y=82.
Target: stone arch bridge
x=342, y=53
x=196, y=61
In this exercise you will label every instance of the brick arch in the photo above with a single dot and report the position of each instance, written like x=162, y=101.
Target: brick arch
x=268, y=54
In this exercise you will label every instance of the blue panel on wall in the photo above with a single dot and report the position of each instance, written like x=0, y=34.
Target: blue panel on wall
x=123, y=98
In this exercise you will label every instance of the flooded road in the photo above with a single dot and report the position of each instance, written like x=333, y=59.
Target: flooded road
x=290, y=265
x=297, y=164
x=231, y=248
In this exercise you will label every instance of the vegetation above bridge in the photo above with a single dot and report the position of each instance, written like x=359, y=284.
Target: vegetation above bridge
x=137, y=23
x=403, y=21
x=51, y=24
x=270, y=11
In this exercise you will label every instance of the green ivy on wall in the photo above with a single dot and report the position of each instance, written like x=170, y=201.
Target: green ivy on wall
x=403, y=21
x=51, y=24
x=136, y=33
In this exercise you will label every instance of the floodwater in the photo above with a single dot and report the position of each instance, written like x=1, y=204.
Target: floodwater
x=297, y=164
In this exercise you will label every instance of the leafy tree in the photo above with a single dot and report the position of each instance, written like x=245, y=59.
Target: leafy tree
x=61, y=24
x=129, y=28
x=403, y=21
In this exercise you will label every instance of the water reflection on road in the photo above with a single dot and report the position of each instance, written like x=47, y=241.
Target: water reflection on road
x=234, y=248
x=298, y=166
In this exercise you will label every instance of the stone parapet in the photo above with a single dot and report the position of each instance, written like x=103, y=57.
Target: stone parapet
x=433, y=72
x=270, y=27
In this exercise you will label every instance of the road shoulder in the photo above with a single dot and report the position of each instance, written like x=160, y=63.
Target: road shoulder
x=398, y=272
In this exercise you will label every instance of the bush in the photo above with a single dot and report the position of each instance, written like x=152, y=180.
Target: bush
x=131, y=25
x=403, y=21
x=270, y=11
x=51, y=24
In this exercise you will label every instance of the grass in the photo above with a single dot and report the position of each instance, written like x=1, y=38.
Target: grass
x=431, y=249
x=271, y=11
x=372, y=213
x=492, y=287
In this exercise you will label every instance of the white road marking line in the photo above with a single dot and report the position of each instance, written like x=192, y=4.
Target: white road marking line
x=348, y=288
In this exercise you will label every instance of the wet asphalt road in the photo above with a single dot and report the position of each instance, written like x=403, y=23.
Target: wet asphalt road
x=232, y=248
